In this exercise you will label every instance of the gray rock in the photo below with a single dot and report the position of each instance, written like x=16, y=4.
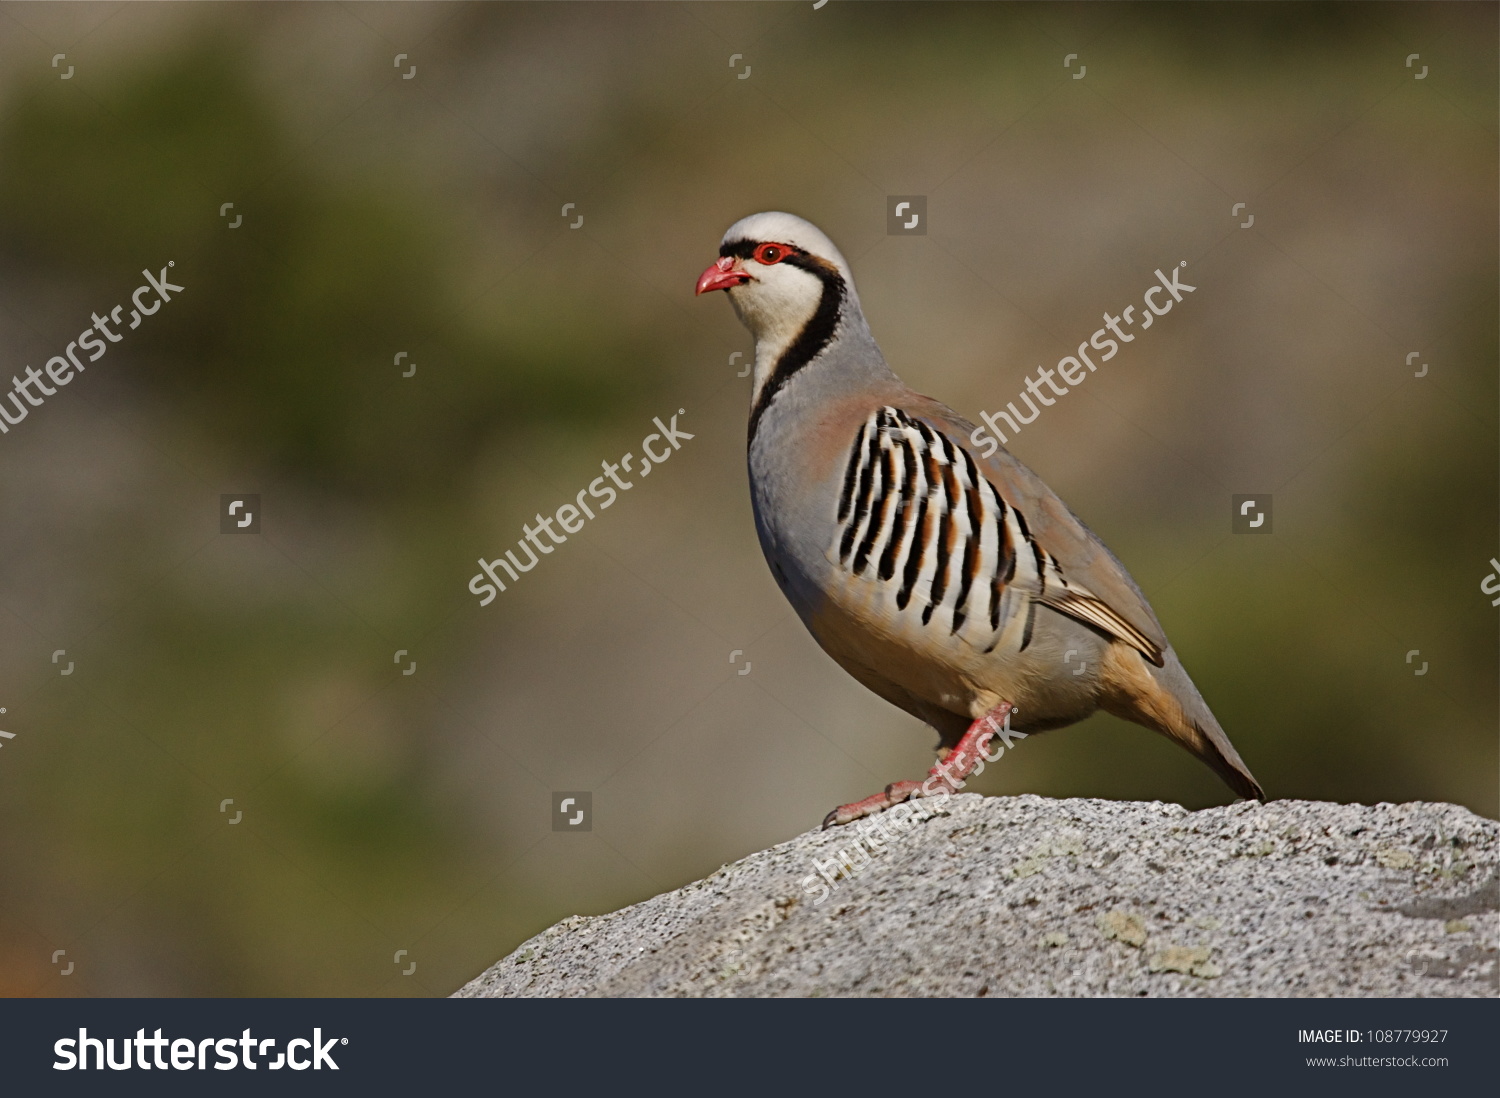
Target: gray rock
x=966, y=895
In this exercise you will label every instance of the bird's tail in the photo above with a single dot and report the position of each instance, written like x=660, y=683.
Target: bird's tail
x=1165, y=700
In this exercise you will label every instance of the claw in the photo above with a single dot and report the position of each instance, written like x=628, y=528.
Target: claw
x=848, y=813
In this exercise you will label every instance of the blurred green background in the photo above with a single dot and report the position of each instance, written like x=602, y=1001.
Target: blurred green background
x=380, y=214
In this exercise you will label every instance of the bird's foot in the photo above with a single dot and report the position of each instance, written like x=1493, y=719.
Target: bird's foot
x=946, y=777
x=893, y=794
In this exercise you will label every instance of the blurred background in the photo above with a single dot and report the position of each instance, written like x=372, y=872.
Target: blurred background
x=387, y=204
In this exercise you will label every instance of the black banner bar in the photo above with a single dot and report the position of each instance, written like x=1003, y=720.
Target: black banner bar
x=348, y=1046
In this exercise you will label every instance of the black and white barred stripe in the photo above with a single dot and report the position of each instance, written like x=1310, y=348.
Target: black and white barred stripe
x=917, y=517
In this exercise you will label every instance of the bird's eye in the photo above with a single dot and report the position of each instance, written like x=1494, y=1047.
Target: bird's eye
x=770, y=253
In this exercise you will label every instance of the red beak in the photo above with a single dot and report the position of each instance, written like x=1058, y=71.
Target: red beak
x=723, y=275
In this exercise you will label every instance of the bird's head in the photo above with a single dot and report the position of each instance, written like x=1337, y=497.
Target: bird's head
x=783, y=277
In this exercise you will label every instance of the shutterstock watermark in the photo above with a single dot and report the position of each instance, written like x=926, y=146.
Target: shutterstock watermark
x=85, y=1053
x=570, y=516
x=60, y=368
x=1071, y=368
x=875, y=834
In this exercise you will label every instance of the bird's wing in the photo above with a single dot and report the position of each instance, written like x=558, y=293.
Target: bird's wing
x=1087, y=581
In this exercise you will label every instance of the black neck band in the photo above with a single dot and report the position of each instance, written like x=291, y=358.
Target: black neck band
x=810, y=342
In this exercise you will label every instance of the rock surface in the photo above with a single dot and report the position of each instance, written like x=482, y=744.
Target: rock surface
x=1029, y=896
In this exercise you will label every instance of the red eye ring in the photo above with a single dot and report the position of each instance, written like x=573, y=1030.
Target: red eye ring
x=768, y=254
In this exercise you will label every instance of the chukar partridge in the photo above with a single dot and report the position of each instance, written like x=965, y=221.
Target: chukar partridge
x=955, y=586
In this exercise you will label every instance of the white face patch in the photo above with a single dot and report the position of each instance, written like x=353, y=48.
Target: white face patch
x=775, y=306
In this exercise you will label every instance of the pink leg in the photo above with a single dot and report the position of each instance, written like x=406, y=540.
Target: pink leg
x=946, y=777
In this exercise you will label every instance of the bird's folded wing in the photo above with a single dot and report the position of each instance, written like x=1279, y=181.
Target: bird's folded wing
x=1100, y=592
x=1096, y=612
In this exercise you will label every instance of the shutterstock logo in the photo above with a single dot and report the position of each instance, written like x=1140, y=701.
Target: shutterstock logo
x=570, y=517
x=239, y=514
x=1252, y=514
x=83, y=1052
x=906, y=215
x=572, y=811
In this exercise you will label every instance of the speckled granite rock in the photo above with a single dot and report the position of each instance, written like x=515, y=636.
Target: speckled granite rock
x=1029, y=896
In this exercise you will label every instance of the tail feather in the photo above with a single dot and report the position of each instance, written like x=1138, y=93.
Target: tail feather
x=1165, y=700
x=1216, y=750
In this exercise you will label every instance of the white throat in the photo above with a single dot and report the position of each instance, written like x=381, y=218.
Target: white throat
x=775, y=316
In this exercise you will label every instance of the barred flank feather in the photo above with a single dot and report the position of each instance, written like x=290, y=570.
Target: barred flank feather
x=915, y=505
